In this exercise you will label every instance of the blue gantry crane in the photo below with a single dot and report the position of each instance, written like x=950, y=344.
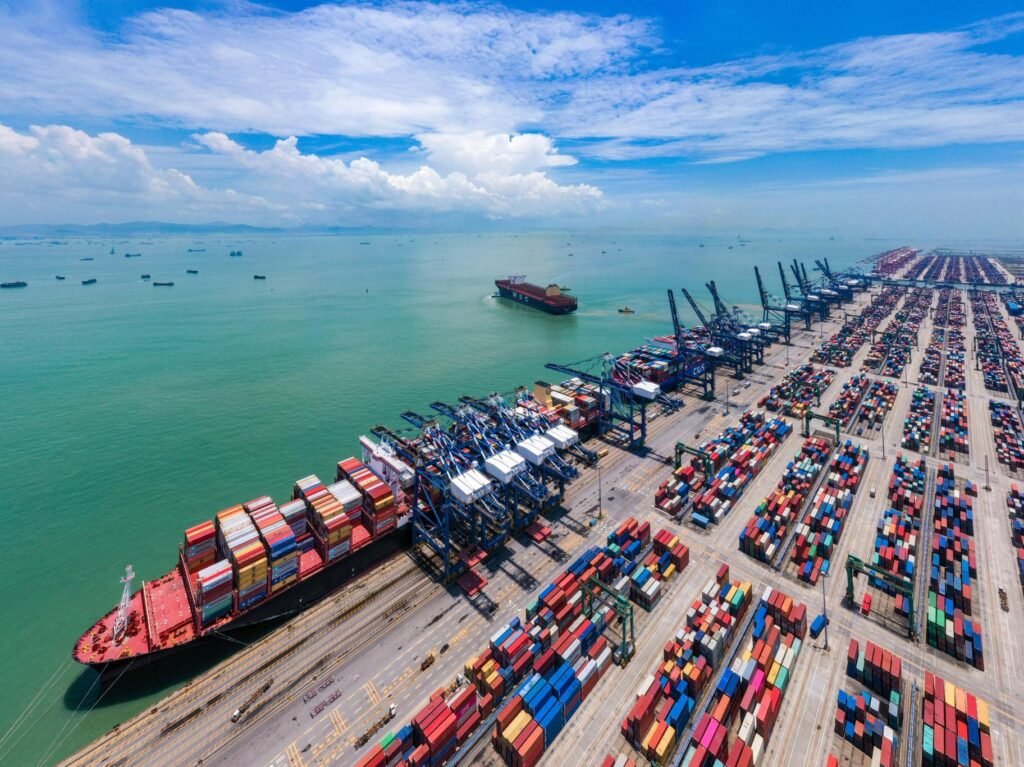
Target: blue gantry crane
x=621, y=407
x=566, y=440
x=726, y=349
x=819, y=298
x=692, y=364
x=455, y=504
x=809, y=305
x=749, y=338
x=779, y=314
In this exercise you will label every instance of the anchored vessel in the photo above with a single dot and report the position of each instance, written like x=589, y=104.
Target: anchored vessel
x=257, y=562
x=550, y=299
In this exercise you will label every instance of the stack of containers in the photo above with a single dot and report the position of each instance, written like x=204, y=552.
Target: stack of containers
x=329, y=522
x=953, y=569
x=822, y=525
x=294, y=513
x=931, y=363
x=200, y=549
x=917, y=426
x=667, y=698
x=798, y=390
x=898, y=531
x=849, y=399
x=766, y=530
x=279, y=541
x=877, y=403
x=955, y=727
x=859, y=720
x=953, y=439
x=1009, y=435
x=673, y=493
x=214, y=594
x=751, y=691
x=240, y=540
x=746, y=460
x=378, y=500
x=1015, y=503
x=882, y=672
x=646, y=578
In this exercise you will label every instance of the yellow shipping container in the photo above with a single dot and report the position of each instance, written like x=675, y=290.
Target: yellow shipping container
x=645, y=744
x=669, y=572
x=983, y=714
x=773, y=673
x=284, y=584
x=516, y=726
x=665, y=745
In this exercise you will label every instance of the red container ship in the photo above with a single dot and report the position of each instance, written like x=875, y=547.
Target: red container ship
x=550, y=299
x=257, y=562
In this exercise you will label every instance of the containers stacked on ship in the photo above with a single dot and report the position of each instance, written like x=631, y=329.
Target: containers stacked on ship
x=378, y=500
x=240, y=540
x=215, y=596
x=200, y=549
x=330, y=519
x=279, y=540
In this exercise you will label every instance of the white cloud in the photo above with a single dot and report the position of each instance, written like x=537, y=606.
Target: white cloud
x=59, y=168
x=388, y=69
x=500, y=179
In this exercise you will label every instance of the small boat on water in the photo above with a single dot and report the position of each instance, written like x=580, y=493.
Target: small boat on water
x=259, y=276
x=145, y=276
x=163, y=284
x=60, y=276
x=197, y=250
x=235, y=253
x=18, y=284
x=132, y=255
x=90, y=281
x=364, y=243
x=701, y=245
x=627, y=310
x=192, y=271
x=87, y=258
x=111, y=251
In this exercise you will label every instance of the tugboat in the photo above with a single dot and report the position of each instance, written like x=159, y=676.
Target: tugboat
x=627, y=310
x=18, y=284
x=90, y=281
x=259, y=276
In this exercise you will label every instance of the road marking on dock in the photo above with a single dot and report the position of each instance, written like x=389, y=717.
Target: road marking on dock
x=294, y=757
x=340, y=725
x=371, y=693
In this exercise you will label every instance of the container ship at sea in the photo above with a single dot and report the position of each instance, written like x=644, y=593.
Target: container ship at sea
x=260, y=561
x=550, y=299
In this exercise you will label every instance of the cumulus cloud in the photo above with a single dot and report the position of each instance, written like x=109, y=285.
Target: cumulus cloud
x=62, y=168
x=499, y=176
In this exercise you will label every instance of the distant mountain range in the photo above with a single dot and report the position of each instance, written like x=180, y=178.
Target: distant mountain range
x=166, y=228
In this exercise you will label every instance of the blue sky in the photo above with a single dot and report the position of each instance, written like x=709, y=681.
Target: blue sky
x=871, y=119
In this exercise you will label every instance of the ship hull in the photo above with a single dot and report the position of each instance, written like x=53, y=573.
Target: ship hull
x=292, y=601
x=534, y=303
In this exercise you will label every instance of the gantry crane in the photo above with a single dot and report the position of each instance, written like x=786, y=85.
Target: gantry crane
x=817, y=298
x=808, y=307
x=691, y=364
x=727, y=350
x=749, y=338
x=778, y=317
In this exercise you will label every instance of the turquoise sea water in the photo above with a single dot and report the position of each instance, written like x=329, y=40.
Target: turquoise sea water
x=128, y=412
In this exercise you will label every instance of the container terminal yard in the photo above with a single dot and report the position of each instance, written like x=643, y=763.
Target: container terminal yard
x=663, y=597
